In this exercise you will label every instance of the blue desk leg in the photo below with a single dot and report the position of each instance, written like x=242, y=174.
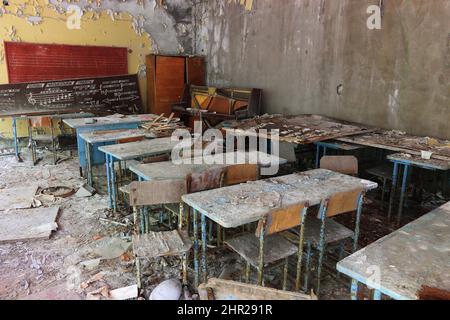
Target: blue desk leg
x=108, y=180
x=16, y=144
x=377, y=295
x=88, y=169
x=317, y=155
x=393, y=189
x=354, y=290
x=113, y=183
x=403, y=193
x=205, y=277
x=196, y=266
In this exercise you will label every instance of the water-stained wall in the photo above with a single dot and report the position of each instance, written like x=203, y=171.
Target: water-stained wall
x=318, y=56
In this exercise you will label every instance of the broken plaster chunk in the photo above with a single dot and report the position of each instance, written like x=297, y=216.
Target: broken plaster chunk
x=167, y=290
x=90, y=264
x=126, y=293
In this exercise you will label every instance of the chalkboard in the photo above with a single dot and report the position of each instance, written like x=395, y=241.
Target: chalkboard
x=101, y=95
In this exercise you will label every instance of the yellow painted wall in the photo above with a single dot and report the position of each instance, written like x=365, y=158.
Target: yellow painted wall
x=96, y=29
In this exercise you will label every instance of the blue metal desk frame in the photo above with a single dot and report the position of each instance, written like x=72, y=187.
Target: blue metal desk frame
x=407, y=165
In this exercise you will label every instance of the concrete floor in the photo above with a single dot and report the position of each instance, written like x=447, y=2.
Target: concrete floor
x=53, y=269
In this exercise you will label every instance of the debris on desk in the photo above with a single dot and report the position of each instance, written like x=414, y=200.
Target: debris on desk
x=164, y=127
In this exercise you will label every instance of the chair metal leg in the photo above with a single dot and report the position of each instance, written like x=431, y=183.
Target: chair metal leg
x=285, y=273
x=138, y=272
x=180, y=215
x=308, y=266
x=321, y=248
x=135, y=220
x=300, y=249
x=184, y=263
x=247, y=272
x=341, y=256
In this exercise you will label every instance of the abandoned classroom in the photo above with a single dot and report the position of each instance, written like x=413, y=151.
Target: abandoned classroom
x=224, y=150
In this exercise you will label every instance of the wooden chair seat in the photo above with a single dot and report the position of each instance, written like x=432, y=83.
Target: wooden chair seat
x=383, y=171
x=173, y=208
x=334, y=232
x=276, y=248
x=161, y=244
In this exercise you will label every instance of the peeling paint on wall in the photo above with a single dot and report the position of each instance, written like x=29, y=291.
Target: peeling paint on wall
x=248, y=4
x=141, y=26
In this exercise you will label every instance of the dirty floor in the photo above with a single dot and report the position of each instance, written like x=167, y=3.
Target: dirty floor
x=91, y=243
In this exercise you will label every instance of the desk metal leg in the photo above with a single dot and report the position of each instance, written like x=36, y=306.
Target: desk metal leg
x=446, y=184
x=108, y=181
x=376, y=295
x=403, y=193
x=31, y=142
x=16, y=143
x=354, y=290
x=317, y=156
x=196, y=266
x=204, y=272
x=393, y=189
x=88, y=168
x=52, y=129
x=113, y=183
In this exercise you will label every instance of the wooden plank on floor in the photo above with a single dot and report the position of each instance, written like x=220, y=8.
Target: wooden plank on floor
x=28, y=224
x=231, y=290
x=17, y=198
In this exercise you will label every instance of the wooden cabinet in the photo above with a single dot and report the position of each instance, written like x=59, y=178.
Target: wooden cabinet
x=167, y=77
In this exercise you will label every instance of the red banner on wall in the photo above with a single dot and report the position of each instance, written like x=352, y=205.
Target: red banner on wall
x=30, y=62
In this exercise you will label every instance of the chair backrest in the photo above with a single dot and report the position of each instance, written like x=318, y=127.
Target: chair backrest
x=241, y=173
x=205, y=180
x=282, y=219
x=154, y=159
x=343, y=202
x=342, y=164
x=155, y=192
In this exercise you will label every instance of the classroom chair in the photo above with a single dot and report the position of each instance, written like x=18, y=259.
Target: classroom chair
x=148, y=244
x=267, y=246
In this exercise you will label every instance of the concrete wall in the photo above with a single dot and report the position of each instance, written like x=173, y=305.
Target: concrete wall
x=143, y=26
x=301, y=51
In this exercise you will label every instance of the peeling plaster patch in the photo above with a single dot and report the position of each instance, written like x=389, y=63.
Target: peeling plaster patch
x=34, y=20
x=141, y=71
x=248, y=4
x=148, y=19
